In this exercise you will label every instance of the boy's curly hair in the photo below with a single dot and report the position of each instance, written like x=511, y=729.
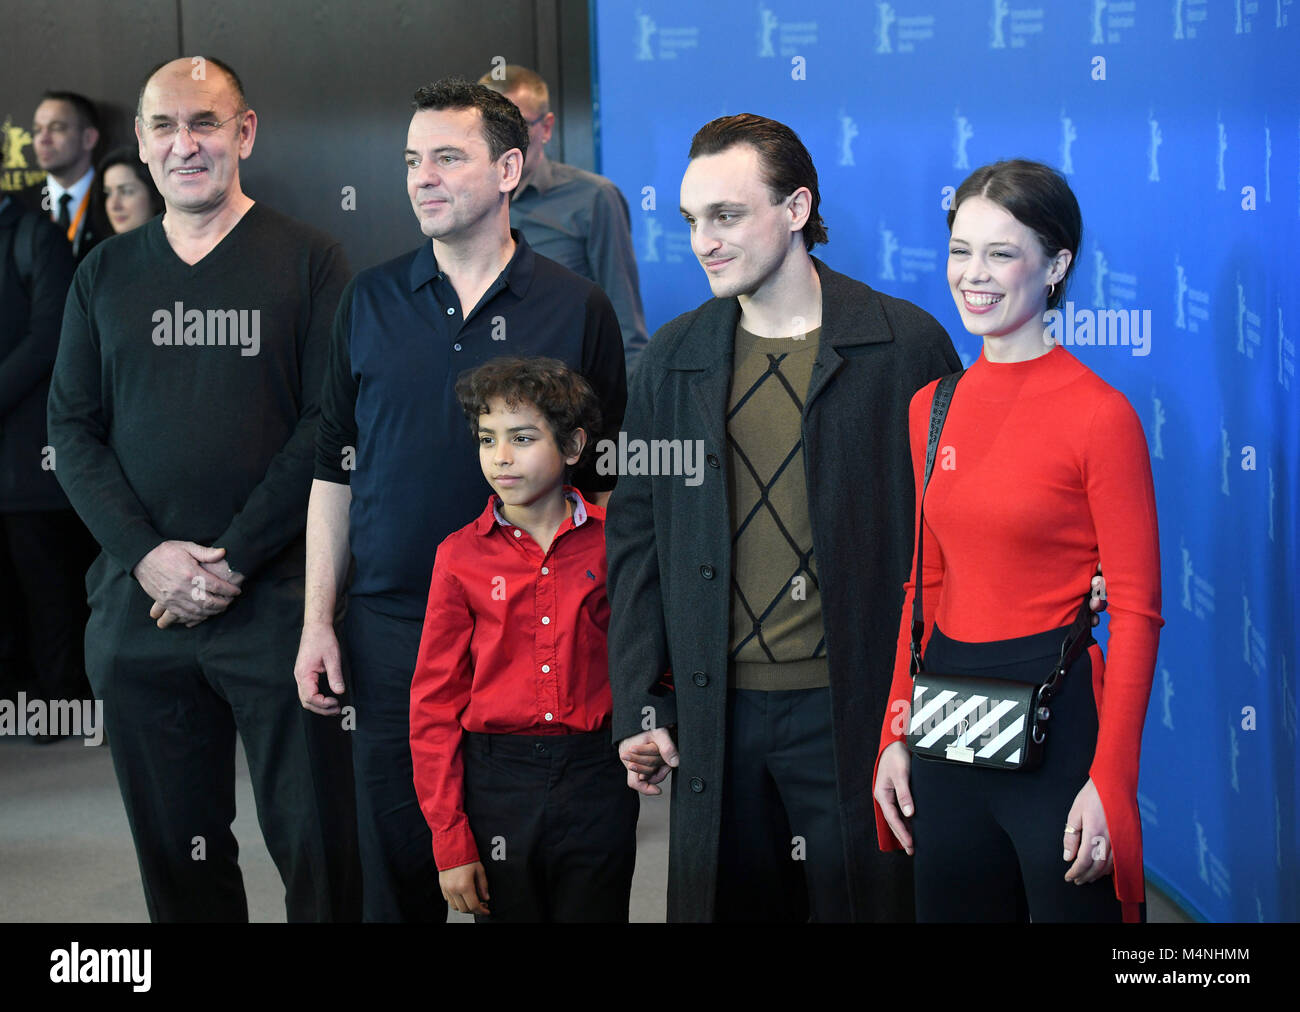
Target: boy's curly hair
x=562, y=396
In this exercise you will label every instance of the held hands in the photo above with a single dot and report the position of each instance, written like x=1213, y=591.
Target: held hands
x=318, y=652
x=1089, y=847
x=892, y=792
x=465, y=888
x=188, y=582
x=648, y=756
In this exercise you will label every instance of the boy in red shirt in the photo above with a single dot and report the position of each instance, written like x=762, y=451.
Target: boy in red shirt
x=514, y=767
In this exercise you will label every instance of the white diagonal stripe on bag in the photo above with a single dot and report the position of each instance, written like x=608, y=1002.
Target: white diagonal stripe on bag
x=1002, y=739
x=988, y=720
x=1013, y=758
x=951, y=721
x=920, y=716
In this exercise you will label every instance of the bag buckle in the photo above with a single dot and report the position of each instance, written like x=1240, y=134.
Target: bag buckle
x=1041, y=714
x=957, y=752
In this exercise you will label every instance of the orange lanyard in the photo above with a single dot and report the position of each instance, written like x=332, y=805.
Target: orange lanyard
x=81, y=210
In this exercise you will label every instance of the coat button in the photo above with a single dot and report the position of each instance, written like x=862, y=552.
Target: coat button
x=700, y=679
x=697, y=785
x=712, y=458
x=706, y=571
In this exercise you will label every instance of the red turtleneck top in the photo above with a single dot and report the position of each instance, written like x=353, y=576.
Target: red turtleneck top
x=1043, y=472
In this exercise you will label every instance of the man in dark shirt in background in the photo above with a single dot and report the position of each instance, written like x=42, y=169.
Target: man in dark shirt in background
x=771, y=586
x=394, y=472
x=183, y=411
x=576, y=218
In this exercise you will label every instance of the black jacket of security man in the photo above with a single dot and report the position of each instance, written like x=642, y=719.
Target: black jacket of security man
x=44, y=549
x=670, y=546
x=36, y=268
x=97, y=227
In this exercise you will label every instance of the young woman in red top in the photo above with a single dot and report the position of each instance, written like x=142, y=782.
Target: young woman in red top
x=1042, y=473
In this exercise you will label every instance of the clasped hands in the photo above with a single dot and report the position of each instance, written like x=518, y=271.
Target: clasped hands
x=188, y=582
x=648, y=756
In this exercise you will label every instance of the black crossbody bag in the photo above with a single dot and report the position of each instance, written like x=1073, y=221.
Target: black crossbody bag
x=995, y=723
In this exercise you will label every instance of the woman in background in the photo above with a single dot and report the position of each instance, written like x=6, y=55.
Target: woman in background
x=130, y=196
x=1045, y=473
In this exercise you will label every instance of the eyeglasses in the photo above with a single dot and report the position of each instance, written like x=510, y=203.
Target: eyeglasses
x=166, y=129
x=533, y=122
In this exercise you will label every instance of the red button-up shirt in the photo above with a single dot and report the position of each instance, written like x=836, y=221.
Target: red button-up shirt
x=514, y=642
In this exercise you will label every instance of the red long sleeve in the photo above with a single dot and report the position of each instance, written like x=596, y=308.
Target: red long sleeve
x=1042, y=473
x=514, y=642
x=440, y=691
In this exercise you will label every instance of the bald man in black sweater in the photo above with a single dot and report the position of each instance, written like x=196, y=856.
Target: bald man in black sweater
x=183, y=412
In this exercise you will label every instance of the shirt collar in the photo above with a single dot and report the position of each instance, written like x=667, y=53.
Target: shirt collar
x=541, y=179
x=77, y=191
x=517, y=273
x=491, y=516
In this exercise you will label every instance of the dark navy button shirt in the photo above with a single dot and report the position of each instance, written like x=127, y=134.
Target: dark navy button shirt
x=391, y=425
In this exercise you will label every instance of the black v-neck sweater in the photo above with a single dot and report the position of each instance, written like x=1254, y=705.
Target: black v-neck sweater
x=185, y=397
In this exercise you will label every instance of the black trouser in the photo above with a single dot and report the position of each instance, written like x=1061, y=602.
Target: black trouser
x=555, y=826
x=44, y=556
x=989, y=842
x=397, y=867
x=781, y=853
x=173, y=702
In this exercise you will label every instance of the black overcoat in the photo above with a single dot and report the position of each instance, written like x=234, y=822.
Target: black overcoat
x=669, y=547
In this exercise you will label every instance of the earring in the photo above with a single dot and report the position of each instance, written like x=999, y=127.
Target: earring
x=1051, y=289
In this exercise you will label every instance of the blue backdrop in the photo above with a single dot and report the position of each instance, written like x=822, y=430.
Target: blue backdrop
x=1178, y=125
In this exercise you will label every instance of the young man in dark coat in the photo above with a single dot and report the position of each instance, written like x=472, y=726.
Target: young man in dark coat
x=768, y=581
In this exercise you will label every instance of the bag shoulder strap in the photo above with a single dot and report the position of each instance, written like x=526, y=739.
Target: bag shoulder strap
x=1077, y=636
x=938, y=415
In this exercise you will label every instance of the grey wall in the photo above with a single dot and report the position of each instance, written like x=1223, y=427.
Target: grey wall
x=331, y=83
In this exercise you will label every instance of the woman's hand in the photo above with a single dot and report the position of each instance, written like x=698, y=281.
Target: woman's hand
x=893, y=793
x=1089, y=848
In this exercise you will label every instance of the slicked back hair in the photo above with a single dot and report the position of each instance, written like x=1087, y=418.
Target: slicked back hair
x=785, y=161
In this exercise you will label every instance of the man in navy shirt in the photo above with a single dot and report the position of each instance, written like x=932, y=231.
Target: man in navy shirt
x=394, y=472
